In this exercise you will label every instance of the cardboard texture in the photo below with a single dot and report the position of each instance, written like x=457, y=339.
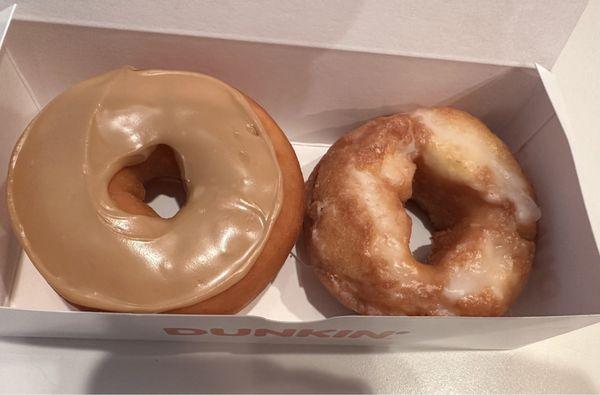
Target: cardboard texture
x=505, y=32
x=5, y=18
x=576, y=74
x=8, y=250
x=317, y=95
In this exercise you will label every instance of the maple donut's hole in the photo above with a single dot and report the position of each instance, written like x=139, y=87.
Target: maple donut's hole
x=166, y=196
x=154, y=187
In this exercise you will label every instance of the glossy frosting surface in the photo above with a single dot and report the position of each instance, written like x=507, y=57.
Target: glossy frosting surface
x=97, y=255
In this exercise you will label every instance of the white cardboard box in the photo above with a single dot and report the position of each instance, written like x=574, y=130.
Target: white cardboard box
x=316, y=95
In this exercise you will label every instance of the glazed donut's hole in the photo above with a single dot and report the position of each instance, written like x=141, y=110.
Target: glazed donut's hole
x=154, y=187
x=422, y=229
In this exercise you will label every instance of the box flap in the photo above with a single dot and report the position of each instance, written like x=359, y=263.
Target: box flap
x=508, y=32
x=574, y=88
x=5, y=18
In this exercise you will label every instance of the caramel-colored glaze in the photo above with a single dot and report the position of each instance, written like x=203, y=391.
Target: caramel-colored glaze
x=282, y=237
x=98, y=255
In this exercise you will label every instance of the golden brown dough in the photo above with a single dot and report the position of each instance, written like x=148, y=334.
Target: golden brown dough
x=464, y=177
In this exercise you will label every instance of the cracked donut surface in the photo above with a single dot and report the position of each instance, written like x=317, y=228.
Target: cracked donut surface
x=478, y=199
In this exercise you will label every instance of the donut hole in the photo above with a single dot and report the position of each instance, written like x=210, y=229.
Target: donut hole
x=154, y=187
x=166, y=196
x=422, y=229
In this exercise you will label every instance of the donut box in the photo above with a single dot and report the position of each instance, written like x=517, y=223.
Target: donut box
x=533, y=110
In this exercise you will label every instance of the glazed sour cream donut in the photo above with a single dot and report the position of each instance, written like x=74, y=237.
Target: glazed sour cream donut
x=479, y=202
x=76, y=191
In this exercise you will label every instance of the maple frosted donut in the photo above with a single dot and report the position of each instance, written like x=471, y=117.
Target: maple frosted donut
x=480, y=204
x=77, y=184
